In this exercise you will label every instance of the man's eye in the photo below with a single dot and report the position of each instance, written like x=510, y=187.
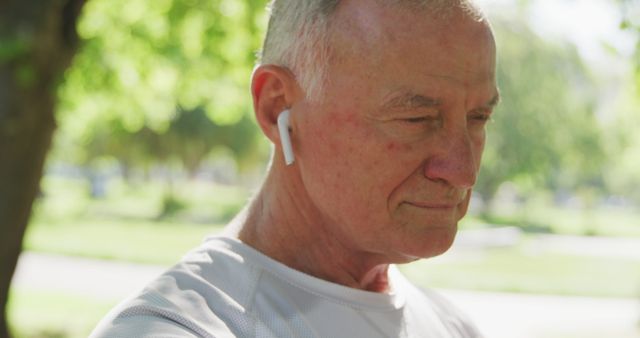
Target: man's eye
x=415, y=119
x=419, y=119
x=480, y=117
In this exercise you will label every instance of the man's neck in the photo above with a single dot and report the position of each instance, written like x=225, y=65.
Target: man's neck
x=284, y=225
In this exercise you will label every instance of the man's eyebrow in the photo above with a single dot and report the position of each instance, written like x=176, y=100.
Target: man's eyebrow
x=411, y=101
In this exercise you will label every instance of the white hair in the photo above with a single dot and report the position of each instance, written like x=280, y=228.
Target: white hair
x=298, y=35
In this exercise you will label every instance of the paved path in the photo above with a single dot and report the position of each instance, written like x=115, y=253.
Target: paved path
x=502, y=315
x=626, y=248
x=101, y=279
x=595, y=246
x=499, y=315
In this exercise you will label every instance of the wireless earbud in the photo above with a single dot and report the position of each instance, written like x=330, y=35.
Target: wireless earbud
x=285, y=138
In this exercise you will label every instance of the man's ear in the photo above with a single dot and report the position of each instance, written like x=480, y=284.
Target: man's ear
x=274, y=89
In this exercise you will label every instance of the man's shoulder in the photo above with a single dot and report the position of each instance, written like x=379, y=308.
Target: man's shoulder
x=202, y=296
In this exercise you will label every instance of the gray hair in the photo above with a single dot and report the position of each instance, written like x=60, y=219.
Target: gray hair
x=298, y=35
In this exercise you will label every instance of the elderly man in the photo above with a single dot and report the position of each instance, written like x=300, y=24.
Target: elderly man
x=377, y=110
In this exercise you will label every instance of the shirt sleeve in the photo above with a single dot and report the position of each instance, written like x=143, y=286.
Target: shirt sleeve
x=141, y=325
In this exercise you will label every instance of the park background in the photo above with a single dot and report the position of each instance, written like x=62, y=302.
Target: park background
x=156, y=147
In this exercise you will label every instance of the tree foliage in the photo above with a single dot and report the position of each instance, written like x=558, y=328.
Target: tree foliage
x=544, y=130
x=622, y=173
x=162, y=79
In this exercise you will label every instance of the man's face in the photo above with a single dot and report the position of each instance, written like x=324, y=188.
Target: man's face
x=390, y=152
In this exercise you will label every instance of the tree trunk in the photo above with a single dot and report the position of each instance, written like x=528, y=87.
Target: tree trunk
x=37, y=41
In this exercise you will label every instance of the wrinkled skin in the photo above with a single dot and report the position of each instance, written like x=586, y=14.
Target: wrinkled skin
x=386, y=158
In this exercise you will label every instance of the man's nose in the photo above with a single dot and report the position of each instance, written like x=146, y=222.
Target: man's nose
x=454, y=161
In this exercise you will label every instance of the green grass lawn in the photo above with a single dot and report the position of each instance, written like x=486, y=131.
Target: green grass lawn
x=45, y=314
x=513, y=269
x=133, y=241
x=574, y=221
x=125, y=225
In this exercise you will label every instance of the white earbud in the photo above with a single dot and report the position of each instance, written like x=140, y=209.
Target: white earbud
x=285, y=139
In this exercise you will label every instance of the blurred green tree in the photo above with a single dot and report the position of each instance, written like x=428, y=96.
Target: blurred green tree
x=37, y=42
x=544, y=131
x=623, y=174
x=162, y=80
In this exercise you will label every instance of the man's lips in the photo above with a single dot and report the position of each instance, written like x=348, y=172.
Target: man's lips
x=433, y=205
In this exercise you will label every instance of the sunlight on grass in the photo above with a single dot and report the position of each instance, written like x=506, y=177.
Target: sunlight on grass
x=603, y=221
x=125, y=224
x=141, y=242
x=47, y=314
x=514, y=269
x=68, y=199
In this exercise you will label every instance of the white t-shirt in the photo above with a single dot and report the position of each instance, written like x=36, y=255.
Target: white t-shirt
x=225, y=288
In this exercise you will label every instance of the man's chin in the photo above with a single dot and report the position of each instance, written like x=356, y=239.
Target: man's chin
x=431, y=243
